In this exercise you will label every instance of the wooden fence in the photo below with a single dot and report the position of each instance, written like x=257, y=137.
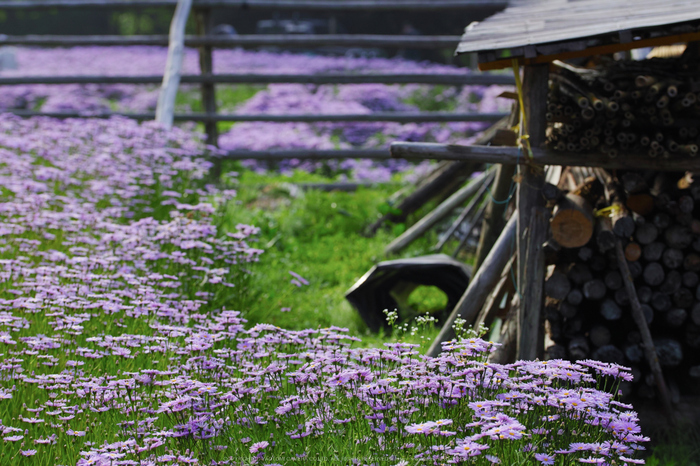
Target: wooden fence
x=206, y=42
x=361, y=5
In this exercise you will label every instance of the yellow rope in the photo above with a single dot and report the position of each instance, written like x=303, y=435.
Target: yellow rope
x=524, y=139
x=608, y=211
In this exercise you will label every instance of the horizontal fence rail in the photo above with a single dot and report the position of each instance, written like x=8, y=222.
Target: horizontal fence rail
x=282, y=40
x=308, y=154
x=206, y=42
x=362, y=5
x=396, y=117
x=445, y=79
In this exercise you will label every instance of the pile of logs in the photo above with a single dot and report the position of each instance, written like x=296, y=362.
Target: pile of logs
x=588, y=312
x=646, y=107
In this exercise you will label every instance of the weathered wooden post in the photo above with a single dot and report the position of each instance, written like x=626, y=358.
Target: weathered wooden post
x=206, y=67
x=165, y=109
x=532, y=216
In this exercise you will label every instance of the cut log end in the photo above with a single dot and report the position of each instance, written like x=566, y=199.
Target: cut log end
x=572, y=224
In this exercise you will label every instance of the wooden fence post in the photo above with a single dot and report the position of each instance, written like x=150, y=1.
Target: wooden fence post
x=206, y=66
x=531, y=222
x=176, y=51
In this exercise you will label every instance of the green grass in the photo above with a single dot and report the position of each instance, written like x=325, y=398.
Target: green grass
x=318, y=235
x=432, y=100
x=678, y=446
x=228, y=96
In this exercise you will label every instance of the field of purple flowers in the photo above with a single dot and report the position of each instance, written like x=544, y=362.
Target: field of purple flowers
x=271, y=99
x=123, y=338
x=121, y=343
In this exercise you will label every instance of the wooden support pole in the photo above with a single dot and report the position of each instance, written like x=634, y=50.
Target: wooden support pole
x=176, y=51
x=532, y=217
x=440, y=212
x=639, y=319
x=531, y=286
x=480, y=286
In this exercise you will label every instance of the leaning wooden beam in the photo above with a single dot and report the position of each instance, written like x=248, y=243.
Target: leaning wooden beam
x=468, y=211
x=440, y=181
x=639, y=319
x=331, y=78
x=512, y=155
x=505, y=353
x=176, y=52
x=473, y=222
x=299, y=118
x=495, y=214
x=440, y=212
x=505, y=285
x=441, y=184
x=362, y=5
x=480, y=285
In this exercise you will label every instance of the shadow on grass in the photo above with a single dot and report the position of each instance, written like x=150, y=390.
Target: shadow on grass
x=675, y=446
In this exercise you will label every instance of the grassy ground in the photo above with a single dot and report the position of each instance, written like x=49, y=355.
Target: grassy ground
x=317, y=235
x=679, y=446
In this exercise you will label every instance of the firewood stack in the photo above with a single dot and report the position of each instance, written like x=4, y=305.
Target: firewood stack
x=645, y=107
x=588, y=315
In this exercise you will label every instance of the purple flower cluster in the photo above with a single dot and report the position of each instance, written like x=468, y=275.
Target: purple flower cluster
x=107, y=249
x=116, y=348
x=351, y=99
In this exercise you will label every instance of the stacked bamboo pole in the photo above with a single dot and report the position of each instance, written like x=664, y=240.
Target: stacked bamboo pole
x=650, y=107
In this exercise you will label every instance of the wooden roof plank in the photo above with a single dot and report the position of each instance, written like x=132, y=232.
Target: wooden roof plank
x=497, y=64
x=363, y=5
x=536, y=22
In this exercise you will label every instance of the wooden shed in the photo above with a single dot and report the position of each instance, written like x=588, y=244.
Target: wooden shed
x=569, y=34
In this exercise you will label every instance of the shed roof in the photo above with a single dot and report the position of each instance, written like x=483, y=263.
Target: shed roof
x=527, y=23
